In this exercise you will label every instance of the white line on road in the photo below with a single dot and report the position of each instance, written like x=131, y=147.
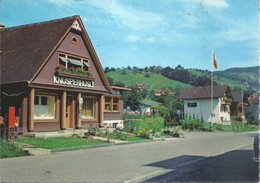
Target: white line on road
x=150, y=175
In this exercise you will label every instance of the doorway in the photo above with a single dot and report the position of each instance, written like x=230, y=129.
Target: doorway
x=70, y=112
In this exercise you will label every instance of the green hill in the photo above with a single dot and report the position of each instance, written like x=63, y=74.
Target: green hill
x=155, y=81
x=247, y=75
x=220, y=79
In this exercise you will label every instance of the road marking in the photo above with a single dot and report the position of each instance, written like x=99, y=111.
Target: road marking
x=156, y=173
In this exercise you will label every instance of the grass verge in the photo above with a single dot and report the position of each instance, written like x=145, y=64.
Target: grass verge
x=8, y=150
x=59, y=142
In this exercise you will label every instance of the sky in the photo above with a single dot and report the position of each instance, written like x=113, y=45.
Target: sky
x=155, y=32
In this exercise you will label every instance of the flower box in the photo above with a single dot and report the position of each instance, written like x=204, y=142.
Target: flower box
x=72, y=74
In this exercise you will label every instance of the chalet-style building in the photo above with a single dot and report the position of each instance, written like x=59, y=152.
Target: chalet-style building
x=161, y=91
x=52, y=75
x=197, y=103
x=255, y=100
x=238, y=106
x=143, y=86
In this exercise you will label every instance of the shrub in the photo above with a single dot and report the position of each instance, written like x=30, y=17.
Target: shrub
x=8, y=150
x=195, y=124
x=151, y=124
x=172, y=132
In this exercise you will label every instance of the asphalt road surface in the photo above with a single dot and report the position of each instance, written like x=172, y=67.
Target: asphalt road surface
x=198, y=157
x=235, y=166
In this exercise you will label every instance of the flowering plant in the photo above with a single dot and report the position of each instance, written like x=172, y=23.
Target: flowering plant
x=74, y=70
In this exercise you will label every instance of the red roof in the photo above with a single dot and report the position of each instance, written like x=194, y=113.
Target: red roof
x=203, y=92
x=25, y=48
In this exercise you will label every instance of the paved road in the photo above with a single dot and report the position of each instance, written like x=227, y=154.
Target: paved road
x=132, y=163
x=235, y=166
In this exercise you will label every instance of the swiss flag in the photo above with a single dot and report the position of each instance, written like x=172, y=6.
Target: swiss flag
x=215, y=61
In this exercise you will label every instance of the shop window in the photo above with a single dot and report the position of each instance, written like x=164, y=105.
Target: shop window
x=88, y=108
x=112, y=104
x=44, y=107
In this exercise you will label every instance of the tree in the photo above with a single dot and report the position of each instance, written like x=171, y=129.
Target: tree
x=107, y=69
x=132, y=98
x=124, y=71
x=129, y=68
x=251, y=114
x=110, y=80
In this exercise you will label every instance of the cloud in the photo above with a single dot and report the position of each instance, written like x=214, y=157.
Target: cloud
x=241, y=31
x=126, y=15
x=213, y=3
x=132, y=38
x=150, y=39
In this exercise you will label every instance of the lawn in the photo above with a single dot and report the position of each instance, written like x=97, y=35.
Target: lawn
x=155, y=81
x=59, y=142
x=8, y=150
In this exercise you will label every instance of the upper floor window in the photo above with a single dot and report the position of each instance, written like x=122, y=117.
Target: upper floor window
x=73, y=62
x=192, y=104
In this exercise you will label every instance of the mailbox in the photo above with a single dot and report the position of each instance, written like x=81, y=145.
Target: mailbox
x=11, y=117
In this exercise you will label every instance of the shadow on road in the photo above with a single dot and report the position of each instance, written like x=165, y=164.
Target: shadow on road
x=235, y=166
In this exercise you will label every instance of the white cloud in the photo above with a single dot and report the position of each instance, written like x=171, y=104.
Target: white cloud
x=150, y=39
x=62, y=2
x=241, y=31
x=213, y=3
x=132, y=38
x=129, y=16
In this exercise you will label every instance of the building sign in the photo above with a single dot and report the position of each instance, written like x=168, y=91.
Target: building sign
x=73, y=82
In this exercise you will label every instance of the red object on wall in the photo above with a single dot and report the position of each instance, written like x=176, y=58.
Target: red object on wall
x=11, y=117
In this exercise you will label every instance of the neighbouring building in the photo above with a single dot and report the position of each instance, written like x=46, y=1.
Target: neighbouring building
x=238, y=106
x=147, y=107
x=255, y=100
x=52, y=75
x=143, y=86
x=197, y=103
x=161, y=91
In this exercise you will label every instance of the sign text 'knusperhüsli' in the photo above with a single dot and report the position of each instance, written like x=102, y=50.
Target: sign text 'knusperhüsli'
x=73, y=82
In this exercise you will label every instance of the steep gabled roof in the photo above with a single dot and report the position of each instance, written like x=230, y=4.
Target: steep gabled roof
x=237, y=96
x=25, y=48
x=203, y=92
x=150, y=103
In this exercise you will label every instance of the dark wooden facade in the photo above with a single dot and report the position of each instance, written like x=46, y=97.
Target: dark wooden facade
x=64, y=94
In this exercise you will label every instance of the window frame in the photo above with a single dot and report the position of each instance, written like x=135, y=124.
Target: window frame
x=192, y=104
x=82, y=59
x=74, y=40
x=57, y=107
x=94, y=108
x=111, y=103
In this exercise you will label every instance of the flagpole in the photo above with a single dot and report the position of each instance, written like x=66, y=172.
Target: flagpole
x=212, y=91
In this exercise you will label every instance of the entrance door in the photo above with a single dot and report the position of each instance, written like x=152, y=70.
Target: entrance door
x=69, y=112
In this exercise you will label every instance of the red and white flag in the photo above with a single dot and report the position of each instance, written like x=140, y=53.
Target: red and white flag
x=215, y=61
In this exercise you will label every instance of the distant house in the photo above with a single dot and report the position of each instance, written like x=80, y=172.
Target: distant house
x=146, y=106
x=142, y=86
x=197, y=103
x=237, y=108
x=161, y=91
x=255, y=101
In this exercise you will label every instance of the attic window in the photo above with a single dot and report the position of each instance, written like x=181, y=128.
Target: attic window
x=74, y=40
